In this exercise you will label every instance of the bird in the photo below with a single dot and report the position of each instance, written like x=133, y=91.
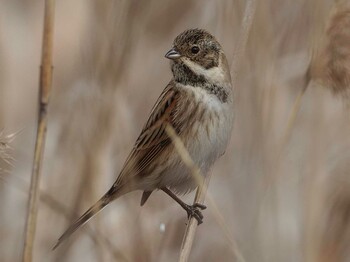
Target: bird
x=198, y=104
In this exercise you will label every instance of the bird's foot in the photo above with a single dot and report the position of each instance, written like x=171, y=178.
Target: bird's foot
x=195, y=211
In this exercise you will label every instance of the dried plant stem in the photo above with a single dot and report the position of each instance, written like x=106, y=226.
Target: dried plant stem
x=44, y=92
x=240, y=47
x=200, y=194
x=292, y=117
x=199, y=198
x=192, y=224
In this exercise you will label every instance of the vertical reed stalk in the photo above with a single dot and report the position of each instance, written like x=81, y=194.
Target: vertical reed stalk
x=200, y=194
x=44, y=93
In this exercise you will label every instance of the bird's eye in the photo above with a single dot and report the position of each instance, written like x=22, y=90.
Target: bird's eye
x=195, y=49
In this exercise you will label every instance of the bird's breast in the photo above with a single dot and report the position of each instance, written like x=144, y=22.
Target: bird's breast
x=211, y=131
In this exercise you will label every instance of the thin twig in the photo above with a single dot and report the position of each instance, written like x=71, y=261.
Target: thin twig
x=44, y=92
x=190, y=231
x=200, y=194
x=240, y=47
x=195, y=171
x=292, y=117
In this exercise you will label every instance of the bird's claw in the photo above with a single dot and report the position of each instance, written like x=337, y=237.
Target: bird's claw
x=195, y=211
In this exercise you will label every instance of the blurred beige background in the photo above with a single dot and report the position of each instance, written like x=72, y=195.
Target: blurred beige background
x=281, y=200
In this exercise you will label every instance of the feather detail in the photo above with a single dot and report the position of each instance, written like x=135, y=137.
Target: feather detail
x=153, y=138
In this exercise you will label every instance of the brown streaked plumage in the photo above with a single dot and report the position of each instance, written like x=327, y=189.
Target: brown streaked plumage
x=198, y=104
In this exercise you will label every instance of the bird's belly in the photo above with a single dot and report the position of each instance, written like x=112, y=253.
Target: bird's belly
x=204, y=146
x=210, y=142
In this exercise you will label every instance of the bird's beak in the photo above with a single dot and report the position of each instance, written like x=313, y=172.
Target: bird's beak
x=172, y=54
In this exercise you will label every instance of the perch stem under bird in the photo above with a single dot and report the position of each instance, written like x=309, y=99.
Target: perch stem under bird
x=198, y=105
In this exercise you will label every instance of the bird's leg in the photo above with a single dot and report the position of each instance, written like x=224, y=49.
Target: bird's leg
x=192, y=210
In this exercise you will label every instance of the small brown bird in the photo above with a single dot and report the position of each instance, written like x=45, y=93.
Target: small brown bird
x=198, y=104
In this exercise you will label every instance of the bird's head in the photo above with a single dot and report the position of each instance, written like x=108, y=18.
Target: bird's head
x=197, y=51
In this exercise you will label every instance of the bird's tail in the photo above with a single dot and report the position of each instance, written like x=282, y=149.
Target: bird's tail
x=97, y=207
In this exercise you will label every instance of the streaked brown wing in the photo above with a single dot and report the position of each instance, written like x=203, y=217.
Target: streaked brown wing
x=153, y=138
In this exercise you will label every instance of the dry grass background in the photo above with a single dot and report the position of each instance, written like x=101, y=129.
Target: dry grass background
x=283, y=200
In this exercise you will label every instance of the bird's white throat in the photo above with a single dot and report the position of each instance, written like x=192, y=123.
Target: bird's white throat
x=215, y=75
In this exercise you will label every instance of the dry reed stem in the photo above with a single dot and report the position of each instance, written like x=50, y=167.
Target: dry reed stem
x=240, y=47
x=200, y=194
x=292, y=117
x=286, y=136
x=44, y=92
x=199, y=198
